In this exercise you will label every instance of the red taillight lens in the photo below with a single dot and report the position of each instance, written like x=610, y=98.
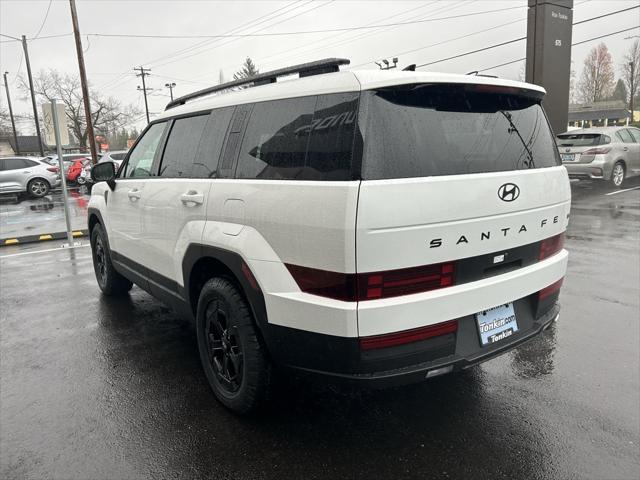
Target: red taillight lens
x=408, y=336
x=550, y=290
x=352, y=287
x=341, y=286
x=406, y=281
x=53, y=169
x=597, y=151
x=551, y=246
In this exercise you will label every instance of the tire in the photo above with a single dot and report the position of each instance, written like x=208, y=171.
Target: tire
x=618, y=175
x=233, y=360
x=38, y=187
x=110, y=282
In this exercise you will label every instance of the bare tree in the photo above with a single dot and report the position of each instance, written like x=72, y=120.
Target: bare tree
x=108, y=114
x=631, y=72
x=597, y=80
x=5, y=122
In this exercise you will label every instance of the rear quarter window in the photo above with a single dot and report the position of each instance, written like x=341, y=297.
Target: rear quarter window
x=429, y=130
x=182, y=144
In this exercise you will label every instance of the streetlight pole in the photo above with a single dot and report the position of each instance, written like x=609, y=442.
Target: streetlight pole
x=13, y=123
x=83, y=82
x=170, y=86
x=33, y=96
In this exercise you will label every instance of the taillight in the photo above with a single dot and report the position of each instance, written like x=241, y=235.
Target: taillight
x=394, y=283
x=53, y=169
x=597, y=151
x=353, y=287
x=408, y=336
x=551, y=246
x=550, y=290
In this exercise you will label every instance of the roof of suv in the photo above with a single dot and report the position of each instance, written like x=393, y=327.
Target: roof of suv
x=343, y=81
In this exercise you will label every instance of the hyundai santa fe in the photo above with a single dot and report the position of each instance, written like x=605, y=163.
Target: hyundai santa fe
x=373, y=227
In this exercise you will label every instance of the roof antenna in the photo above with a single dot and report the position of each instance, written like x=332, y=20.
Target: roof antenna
x=410, y=68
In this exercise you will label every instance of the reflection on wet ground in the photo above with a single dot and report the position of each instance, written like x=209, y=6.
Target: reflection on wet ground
x=21, y=215
x=92, y=387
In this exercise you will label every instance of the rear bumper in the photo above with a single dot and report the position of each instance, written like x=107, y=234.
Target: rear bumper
x=598, y=169
x=458, y=361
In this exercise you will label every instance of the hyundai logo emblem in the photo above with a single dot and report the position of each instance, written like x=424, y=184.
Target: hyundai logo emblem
x=508, y=192
x=568, y=150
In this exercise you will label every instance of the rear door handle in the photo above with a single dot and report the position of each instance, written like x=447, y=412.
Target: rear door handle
x=134, y=194
x=192, y=198
x=626, y=149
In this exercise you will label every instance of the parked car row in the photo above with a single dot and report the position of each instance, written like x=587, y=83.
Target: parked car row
x=37, y=176
x=603, y=153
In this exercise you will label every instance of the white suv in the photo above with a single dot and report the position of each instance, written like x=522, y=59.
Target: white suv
x=378, y=227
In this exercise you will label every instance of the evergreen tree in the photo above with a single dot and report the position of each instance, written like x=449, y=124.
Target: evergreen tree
x=248, y=70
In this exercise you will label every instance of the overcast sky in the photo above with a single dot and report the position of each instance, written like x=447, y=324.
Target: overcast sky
x=194, y=63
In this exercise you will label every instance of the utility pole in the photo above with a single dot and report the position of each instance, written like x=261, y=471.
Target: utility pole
x=170, y=86
x=143, y=73
x=83, y=82
x=13, y=123
x=33, y=96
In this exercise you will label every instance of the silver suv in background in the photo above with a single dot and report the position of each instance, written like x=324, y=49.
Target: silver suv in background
x=22, y=174
x=601, y=153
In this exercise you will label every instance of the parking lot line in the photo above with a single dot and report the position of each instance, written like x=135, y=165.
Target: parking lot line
x=43, y=251
x=622, y=191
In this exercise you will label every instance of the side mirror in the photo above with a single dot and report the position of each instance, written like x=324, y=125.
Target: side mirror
x=104, y=172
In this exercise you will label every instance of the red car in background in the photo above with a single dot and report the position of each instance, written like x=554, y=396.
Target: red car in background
x=76, y=168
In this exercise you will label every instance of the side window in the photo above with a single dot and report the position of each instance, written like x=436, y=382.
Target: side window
x=179, y=154
x=635, y=133
x=332, y=136
x=275, y=141
x=14, y=163
x=141, y=158
x=625, y=136
x=31, y=163
x=2, y=164
x=206, y=162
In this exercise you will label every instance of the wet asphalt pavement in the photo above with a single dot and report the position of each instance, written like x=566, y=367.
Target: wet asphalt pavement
x=94, y=388
x=22, y=215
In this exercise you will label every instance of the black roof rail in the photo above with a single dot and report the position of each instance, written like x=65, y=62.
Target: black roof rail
x=327, y=65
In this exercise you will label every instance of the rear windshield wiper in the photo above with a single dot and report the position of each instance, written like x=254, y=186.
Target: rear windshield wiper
x=512, y=129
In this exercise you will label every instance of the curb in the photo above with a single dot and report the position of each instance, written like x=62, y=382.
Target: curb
x=45, y=237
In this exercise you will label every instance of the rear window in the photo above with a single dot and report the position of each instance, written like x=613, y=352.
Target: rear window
x=429, y=130
x=582, y=139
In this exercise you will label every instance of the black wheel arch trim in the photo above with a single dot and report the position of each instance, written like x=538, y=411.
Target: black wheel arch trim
x=235, y=264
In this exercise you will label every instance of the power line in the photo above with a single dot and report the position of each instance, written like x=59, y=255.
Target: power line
x=301, y=32
x=46, y=15
x=496, y=45
x=332, y=38
x=249, y=24
x=524, y=38
x=262, y=28
x=605, y=15
x=360, y=35
x=449, y=40
x=573, y=45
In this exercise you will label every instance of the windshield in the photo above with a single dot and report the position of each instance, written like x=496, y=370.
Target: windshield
x=582, y=139
x=427, y=130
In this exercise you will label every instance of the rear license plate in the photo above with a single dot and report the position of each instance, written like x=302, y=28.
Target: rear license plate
x=496, y=324
x=568, y=157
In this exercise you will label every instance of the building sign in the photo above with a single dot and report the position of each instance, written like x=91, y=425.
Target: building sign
x=47, y=124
